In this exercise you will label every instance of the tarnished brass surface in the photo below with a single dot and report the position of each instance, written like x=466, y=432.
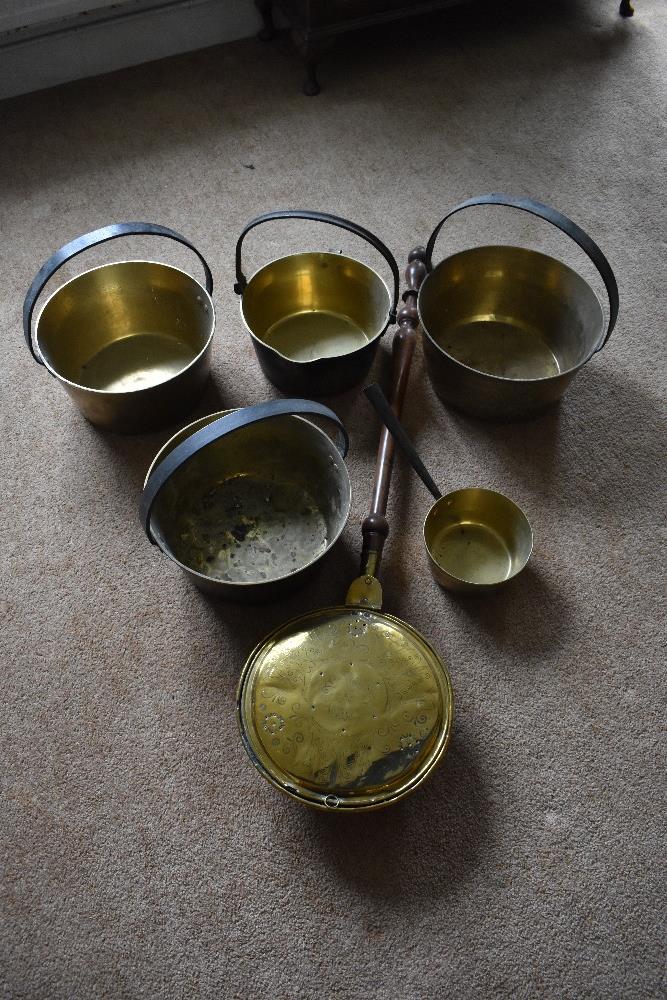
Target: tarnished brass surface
x=506, y=329
x=315, y=305
x=255, y=509
x=130, y=342
x=476, y=539
x=346, y=708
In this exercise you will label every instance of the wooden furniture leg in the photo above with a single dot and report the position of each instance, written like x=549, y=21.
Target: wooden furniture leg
x=311, y=52
x=265, y=7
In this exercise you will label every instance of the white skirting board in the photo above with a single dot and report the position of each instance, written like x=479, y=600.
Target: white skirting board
x=125, y=34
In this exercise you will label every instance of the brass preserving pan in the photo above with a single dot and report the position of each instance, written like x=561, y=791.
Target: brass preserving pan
x=129, y=341
x=316, y=318
x=248, y=502
x=506, y=329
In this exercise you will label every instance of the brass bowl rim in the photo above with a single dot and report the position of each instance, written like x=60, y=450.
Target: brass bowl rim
x=123, y=392
x=247, y=583
x=292, y=790
x=505, y=378
x=312, y=253
x=461, y=579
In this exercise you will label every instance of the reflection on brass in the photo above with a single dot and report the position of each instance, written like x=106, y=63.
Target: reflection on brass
x=346, y=708
x=506, y=329
x=130, y=342
x=254, y=509
x=307, y=336
x=476, y=539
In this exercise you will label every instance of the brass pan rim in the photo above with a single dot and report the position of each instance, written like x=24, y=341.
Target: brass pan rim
x=332, y=802
x=505, y=379
x=124, y=392
x=315, y=253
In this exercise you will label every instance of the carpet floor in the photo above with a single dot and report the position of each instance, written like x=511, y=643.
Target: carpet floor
x=142, y=855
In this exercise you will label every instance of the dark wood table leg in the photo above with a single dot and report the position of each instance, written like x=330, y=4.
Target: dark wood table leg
x=311, y=51
x=311, y=86
x=265, y=7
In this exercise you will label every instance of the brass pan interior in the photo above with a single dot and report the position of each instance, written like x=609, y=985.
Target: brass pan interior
x=511, y=313
x=315, y=305
x=255, y=506
x=476, y=539
x=125, y=326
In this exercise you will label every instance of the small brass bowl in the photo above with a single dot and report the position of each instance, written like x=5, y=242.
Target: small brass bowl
x=476, y=540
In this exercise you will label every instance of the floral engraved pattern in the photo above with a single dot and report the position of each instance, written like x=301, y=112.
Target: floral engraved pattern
x=273, y=723
x=345, y=703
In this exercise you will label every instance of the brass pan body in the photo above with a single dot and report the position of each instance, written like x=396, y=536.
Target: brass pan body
x=346, y=708
x=130, y=342
x=506, y=329
x=249, y=517
x=315, y=320
x=476, y=540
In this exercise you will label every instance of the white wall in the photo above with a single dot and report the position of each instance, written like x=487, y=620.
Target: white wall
x=50, y=48
x=19, y=14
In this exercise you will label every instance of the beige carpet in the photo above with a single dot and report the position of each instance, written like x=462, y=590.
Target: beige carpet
x=142, y=856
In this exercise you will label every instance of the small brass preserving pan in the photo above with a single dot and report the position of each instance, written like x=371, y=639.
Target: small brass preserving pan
x=506, y=329
x=316, y=318
x=129, y=341
x=247, y=502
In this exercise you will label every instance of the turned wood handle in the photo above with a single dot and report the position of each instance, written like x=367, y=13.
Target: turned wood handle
x=375, y=527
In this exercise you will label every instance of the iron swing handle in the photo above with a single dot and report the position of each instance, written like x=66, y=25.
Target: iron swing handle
x=219, y=428
x=332, y=220
x=85, y=242
x=560, y=221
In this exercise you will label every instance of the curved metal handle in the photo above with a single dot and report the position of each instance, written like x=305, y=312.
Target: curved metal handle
x=95, y=238
x=332, y=220
x=206, y=435
x=556, y=219
x=381, y=406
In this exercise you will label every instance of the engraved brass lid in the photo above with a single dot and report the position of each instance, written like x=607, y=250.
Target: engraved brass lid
x=345, y=708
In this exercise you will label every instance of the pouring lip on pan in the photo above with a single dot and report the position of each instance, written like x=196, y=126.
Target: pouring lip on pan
x=311, y=253
x=127, y=392
x=505, y=378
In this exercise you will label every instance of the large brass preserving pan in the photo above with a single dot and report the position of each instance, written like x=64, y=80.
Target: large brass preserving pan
x=248, y=502
x=129, y=341
x=506, y=329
